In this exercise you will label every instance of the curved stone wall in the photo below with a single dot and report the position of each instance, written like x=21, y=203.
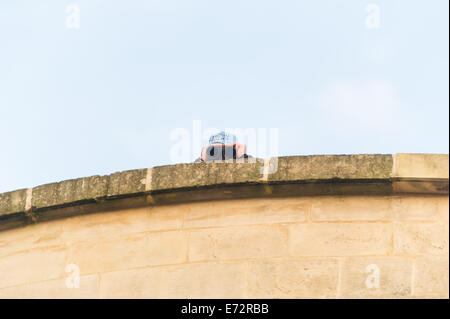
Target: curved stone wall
x=350, y=226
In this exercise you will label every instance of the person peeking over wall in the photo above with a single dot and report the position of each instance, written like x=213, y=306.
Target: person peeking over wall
x=222, y=146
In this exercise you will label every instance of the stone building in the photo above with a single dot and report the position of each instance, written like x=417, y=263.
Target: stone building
x=345, y=226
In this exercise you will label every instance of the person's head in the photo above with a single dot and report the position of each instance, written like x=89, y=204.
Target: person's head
x=223, y=146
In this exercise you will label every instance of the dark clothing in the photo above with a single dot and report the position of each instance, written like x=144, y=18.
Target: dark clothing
x=199, y=160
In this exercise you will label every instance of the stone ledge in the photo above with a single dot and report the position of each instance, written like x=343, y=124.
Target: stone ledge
x=373, y=174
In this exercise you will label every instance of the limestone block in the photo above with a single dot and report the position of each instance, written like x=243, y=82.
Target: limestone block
x=118, y=223
x=34, y=236
x=81, y=189
x=421, y=166
x=204, y=280
x=417, y=208
x=351, y=208
x=238, y=242
x=32, y=266
x=431, y=277
x=246, y=212
x=127, y=182
x=315, y=278
x=416, y=239
x=88, y=289
x=130, y=251
x=364, y=166
x=12, y=202
x=132, y=283
x=340, y=239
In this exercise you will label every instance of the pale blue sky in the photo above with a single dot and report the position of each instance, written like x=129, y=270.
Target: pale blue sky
x=107, y=96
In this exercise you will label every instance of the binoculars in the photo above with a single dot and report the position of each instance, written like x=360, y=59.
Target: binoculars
x=220, y=149
x=219, y=152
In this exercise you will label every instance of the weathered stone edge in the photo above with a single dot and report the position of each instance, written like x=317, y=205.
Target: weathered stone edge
x=405, y=173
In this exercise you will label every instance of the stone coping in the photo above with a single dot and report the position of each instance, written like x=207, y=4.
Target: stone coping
x=376, y=174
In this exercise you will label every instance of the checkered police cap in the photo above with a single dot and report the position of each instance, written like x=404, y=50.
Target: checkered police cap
x=222, y=138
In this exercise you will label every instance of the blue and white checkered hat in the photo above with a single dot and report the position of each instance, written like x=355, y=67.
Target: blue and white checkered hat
x=222, y=138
